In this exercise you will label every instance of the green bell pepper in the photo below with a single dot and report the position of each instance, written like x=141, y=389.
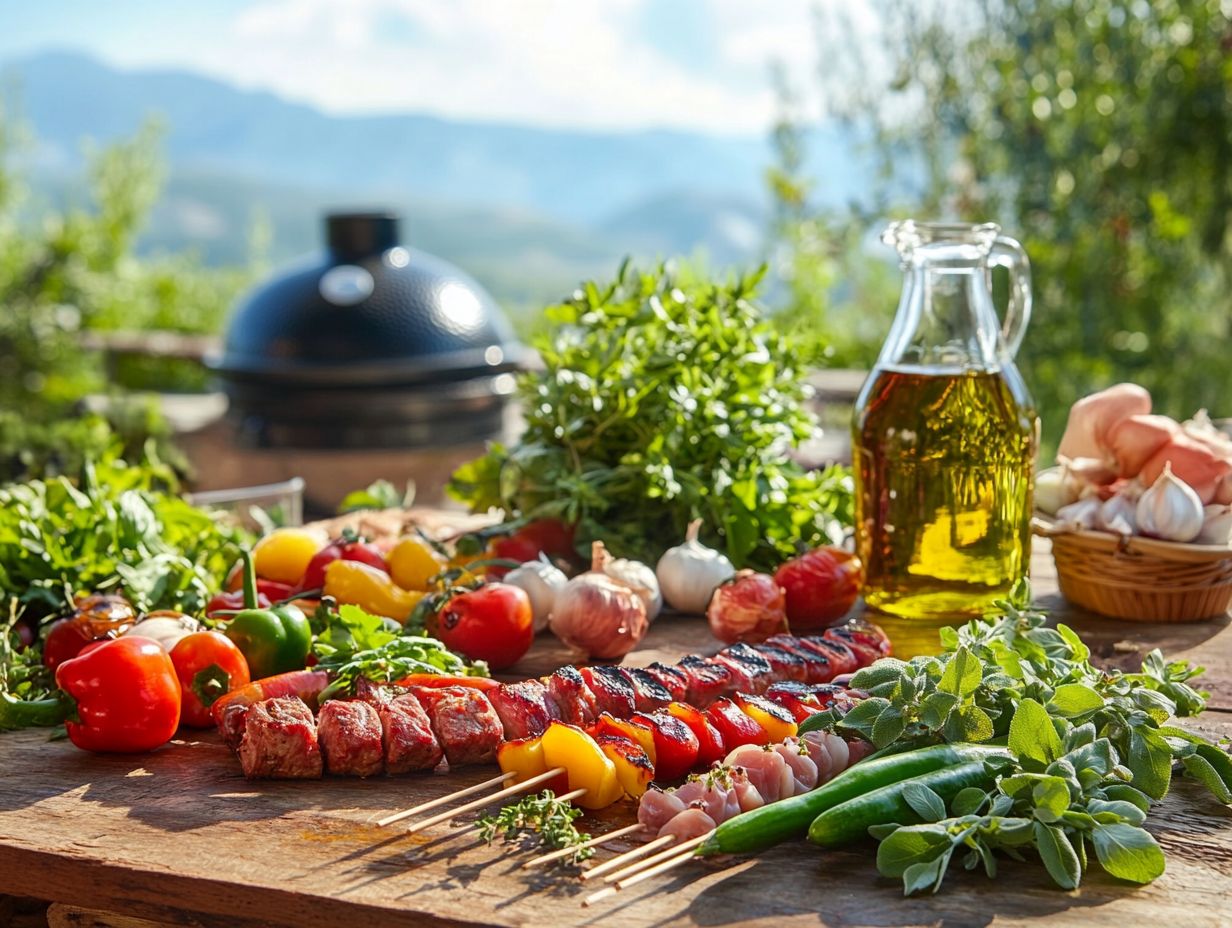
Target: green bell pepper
x=274, y=640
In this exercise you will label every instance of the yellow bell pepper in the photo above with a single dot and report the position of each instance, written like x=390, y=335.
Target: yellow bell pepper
x=370, y=588
x=523, y=757
x=412, y=563
x=588, y=767
x=634, y=771
x=284, y=553
x=777, y=721
x=636, y=732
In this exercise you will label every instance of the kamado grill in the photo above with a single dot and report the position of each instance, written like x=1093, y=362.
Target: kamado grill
x=373, y=345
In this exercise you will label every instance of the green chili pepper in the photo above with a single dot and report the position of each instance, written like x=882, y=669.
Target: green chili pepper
x=275, y=640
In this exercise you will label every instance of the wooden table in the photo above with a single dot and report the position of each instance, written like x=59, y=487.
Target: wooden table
x=179, y=836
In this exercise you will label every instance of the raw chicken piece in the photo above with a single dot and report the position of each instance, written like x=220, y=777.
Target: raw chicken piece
x=658, y=807
x=766, y=770
x=691, y=823
x=713, y=794
x=803, y=768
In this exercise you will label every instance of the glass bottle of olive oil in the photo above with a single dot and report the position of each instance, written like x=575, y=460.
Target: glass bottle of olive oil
x=945, y=432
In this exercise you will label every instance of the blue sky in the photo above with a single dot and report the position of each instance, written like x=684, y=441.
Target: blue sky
x=608, y=64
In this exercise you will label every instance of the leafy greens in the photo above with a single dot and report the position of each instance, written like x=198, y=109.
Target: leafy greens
x=661, y=401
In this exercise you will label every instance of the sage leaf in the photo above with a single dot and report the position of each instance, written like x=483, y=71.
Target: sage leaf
x=1150, y=761
x=1126, y=811
x=928, y=875
x=909, y=845
x=885, y=670
x=968, y=801
x=1074, y=699
x=1123, y=792
x=936, y=708
x=1032, y=735
x=1219, y=760
x=889, y=725
x=1051, y=797
x=1059, y=857
x=1205, y=773
x=924, y=801
x=1128, y=852
x=968, y=723
x=962, y=674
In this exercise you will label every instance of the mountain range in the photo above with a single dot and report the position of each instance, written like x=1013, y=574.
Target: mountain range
x=528, y=210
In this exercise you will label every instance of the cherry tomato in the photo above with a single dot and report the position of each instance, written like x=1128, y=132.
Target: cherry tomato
x=208, y=665
x=64, y=641
x=493, y=623
x=820, y=585
x=542, y=536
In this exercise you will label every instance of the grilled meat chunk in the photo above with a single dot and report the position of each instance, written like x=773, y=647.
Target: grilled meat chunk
x=612, y=689
x=842, y=658
x=464, y=722
x=674, y=680
x=750, y=670
x=648, y=693
x=868, y=643
x=819, y=662
x=523, y=708
x=231, y=725
x=784, y=665
x=574, y=701
x=349, y=732
x=708, y=680
x=280, y=741
x=406, y=730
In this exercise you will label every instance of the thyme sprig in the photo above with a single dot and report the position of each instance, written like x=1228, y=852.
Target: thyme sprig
x=541, y=819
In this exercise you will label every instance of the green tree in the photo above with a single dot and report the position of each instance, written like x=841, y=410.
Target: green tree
x=1099, y=132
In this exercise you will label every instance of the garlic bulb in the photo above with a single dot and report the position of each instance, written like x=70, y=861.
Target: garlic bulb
x=633, y=574
x=1082, y=515
x=1054, y=488
x=542, y=580
x=166, y=627
x=689, y=572
x=1216, y=526
x=1170, y=509
x=599, y=615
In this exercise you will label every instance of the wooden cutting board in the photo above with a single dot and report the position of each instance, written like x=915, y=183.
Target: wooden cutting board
x=179, y=836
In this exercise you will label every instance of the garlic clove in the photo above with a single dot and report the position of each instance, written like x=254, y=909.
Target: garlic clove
x=1079, y=516
x=690, y=572
x=1054, y=488
x=1170, y=509
x=1216, y=526
x=1118, y=514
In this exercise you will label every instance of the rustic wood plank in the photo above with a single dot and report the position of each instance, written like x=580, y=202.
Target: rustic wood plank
x=60, y=915
x=179, y=836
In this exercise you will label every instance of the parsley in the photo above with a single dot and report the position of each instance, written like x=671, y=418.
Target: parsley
x=663, y=400
x=543, y=819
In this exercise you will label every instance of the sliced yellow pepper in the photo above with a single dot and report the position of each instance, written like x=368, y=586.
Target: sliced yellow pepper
x=523, y=758
x=588, y=768
x=371, y=589
x=634, y=771
x=412, y=563
x=636, y=732
x=777, y=721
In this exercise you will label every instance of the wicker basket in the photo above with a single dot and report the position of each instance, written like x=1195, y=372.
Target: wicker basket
x=1140, y=579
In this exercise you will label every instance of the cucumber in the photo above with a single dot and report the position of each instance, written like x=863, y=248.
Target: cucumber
x=772, y=824
x=849, y=821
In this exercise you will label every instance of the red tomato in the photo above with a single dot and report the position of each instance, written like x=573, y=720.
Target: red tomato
x=820, y=585
x=542, y=536
x=208, y=665
x=493, y=623
x=64, y=641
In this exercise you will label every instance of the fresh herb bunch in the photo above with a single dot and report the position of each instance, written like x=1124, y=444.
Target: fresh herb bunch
x=23, y=677
x=118, y=529
x=663, y=401
x=543, y=818
x=1092, y=749
x=351, y=643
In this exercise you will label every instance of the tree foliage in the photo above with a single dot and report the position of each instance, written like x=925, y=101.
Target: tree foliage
x=1099, y=132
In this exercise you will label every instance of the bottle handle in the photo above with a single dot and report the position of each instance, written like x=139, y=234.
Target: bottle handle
x=1009, y=254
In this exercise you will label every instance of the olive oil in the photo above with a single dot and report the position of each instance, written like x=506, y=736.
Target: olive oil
x=944, y=465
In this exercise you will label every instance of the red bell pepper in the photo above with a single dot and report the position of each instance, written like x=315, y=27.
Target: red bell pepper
x=127, y=695
x=208, y=665
x=674, y=742
x=710, y=744
x=735, y=727
x=306, y=684
x=435, y=681
x=348, y=547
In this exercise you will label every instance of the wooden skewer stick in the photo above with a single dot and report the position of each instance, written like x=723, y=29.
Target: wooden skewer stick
x=471, y=826
x=682, y=850
x=593, y=842
x=682, y=855
x=444, y=800
x=524, y=787
x=620, y=860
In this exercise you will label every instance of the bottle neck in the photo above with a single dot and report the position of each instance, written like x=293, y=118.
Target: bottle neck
x=945, y=319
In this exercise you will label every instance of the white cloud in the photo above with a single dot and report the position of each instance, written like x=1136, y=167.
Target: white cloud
x=580, y=63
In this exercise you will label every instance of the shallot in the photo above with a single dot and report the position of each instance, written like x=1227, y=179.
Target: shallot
x=749, y=607
x=598, y=614
x=689, y=572
x=1216, y=526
